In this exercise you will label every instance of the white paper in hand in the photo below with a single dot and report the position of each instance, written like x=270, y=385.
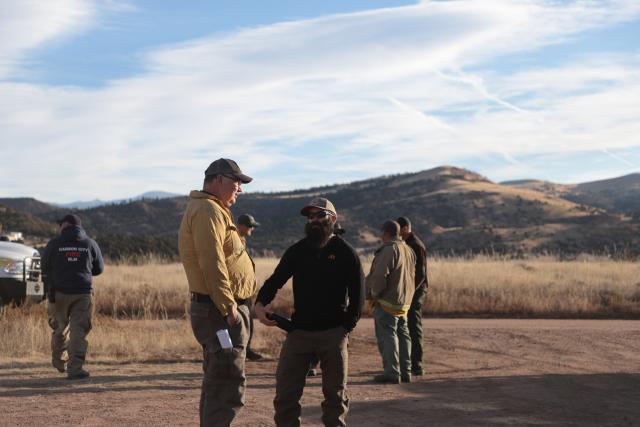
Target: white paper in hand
x=224, y=338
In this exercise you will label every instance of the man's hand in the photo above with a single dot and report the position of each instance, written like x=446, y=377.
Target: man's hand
x=370, y=305
x=233, y=318
x=261, y=312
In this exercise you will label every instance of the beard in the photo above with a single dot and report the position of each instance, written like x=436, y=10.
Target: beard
x=318, y=232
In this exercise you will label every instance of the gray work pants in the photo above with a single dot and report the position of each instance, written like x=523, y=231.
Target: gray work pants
x=70, y=319
x=330, y=347
x=224, y=382
x=394, y=343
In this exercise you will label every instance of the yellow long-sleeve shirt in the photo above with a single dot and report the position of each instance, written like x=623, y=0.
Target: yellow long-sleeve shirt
x=214, y=258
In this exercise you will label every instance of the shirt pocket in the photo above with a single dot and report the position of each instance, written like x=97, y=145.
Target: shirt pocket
x=233, y=244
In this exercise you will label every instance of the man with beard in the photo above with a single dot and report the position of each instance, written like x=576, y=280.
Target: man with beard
x=328, y=294
x=221, y=281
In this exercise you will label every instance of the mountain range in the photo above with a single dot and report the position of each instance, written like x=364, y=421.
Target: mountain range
x=455, y=210
x=87, y=204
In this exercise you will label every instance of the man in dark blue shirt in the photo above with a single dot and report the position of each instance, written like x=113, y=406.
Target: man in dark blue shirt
x=69, y=262
x=328, y=295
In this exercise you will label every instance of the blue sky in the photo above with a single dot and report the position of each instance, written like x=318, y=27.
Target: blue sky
x=109, y=99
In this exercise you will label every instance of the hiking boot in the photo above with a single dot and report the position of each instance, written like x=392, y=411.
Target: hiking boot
x=417, y=371
x=81, y=374
x=252, y=355
x=384, y=379
x=59, y=364
x=405, y=378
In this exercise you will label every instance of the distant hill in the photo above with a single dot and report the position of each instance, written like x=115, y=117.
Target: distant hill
x=31, y=226
x=620, y=194
x=455, y=210
x=29, y=205
x=88, y=204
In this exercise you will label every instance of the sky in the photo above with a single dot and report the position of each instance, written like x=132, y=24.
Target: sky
x=108, y=99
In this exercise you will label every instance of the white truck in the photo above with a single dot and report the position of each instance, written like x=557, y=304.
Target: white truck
x=20, y=275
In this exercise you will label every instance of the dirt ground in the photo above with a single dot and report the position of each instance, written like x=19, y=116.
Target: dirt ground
x=479, y=372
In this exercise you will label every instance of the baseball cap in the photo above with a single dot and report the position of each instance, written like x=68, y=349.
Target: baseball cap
x=227, y=167
x=403, y=221
x=320, y=203
x=247, y=220
x=71, y=219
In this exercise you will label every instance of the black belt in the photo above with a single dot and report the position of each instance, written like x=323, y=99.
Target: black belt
x=207, y=299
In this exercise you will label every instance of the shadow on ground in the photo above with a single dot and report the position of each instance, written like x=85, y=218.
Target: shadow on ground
x=559, y=400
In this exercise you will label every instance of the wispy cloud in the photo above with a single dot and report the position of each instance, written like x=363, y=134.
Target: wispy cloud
x=358, y=94
x=28, y=24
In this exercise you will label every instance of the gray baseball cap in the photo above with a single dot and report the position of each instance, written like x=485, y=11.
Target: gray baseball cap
x=320, y=203
x=227, y=167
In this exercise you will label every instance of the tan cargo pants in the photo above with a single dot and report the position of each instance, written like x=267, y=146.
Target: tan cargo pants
x=299, y=348
x=223, y=386
x=70, y=319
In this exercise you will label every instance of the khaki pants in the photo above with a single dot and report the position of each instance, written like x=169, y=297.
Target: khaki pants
x=70, y=319
x=299, y=348
x=223, y=386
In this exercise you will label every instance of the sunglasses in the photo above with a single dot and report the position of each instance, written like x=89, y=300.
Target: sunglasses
x=317, y=215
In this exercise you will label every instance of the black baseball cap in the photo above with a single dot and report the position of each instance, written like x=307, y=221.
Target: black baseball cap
x=227, y=167
x=248, y=221
x=403, y=221
x=70, y=219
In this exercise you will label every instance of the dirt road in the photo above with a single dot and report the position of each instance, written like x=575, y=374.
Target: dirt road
x=480, y=372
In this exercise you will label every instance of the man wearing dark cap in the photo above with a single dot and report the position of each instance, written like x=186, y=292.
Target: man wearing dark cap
x=328, y=294
x=415, y=311
x=390, y=285
x=246, y=224
x=221, y=281
x=68, y=263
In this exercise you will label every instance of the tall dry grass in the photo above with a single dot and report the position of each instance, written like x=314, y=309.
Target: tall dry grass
x=25, y=335
x=154, y=290
x=483, y=286
x=141, y=311
x=541, y=287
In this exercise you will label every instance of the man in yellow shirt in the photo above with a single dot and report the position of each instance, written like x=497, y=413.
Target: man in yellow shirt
x=221, y=281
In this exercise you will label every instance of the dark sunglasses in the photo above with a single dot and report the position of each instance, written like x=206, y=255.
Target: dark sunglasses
x=317, y=215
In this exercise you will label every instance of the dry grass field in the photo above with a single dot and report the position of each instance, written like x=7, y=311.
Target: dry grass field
x=484, y=286
x=141, y=310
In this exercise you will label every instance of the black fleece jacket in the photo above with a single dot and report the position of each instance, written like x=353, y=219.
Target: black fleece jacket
x=420, y=250
x=70, y=260
x=328, y=285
